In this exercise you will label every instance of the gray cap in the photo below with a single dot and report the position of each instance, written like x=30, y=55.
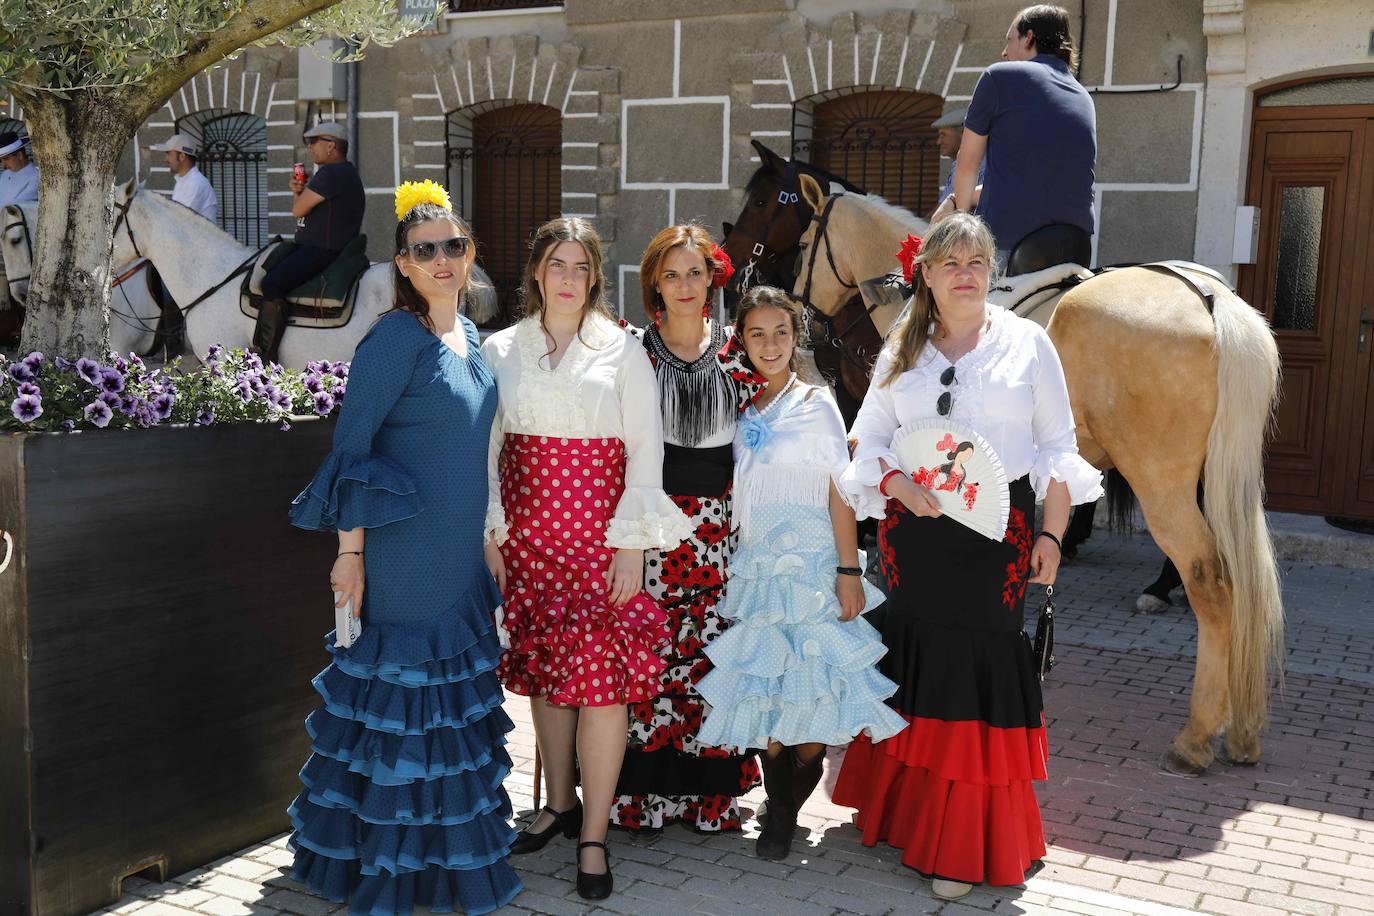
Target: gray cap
x=332, y=129
x=953, y=117
x=182, y=143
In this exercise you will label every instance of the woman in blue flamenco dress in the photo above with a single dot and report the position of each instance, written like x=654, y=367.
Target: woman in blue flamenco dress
x=403, y=804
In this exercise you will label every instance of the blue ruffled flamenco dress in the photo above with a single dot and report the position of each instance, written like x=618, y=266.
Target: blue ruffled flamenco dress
x=403, y=804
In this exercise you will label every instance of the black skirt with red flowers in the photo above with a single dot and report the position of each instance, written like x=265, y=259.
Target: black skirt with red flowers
x=953, y=790
x=668, y=775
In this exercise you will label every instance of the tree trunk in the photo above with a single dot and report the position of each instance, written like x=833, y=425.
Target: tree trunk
x=76, y=144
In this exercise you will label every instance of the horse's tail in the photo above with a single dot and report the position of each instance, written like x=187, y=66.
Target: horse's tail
x=1233, y=502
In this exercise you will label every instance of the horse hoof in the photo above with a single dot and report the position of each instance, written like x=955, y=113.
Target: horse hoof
x=1247, y=755
x=1152, y=604
x=1178, y=765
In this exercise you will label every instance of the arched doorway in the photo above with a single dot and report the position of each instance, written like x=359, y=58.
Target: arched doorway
x=505, y=165
x=1311, y=174
x=233, y=155
x=879, y=139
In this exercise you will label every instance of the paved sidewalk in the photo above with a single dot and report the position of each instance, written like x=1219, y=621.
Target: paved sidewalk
x=1294, y=834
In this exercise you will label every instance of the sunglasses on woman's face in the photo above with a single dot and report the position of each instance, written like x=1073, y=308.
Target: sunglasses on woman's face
x=423, y=252
x=945, y=403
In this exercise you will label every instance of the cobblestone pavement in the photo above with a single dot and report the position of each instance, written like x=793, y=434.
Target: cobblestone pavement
x=1294, y=834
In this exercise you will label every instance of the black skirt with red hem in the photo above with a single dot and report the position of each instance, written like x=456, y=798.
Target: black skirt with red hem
x=953, y=790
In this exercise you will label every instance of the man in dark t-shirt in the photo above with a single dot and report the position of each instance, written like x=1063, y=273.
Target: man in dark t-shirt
x=329, y=214
x=1038, y=128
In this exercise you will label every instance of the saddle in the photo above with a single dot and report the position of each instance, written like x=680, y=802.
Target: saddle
x=1057, y=243
x=325, y=301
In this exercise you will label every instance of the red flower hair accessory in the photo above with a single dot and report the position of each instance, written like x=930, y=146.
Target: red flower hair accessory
x=906, y=256
x=722, y=274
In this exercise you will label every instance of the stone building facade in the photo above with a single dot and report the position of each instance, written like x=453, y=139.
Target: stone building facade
x=658, y=103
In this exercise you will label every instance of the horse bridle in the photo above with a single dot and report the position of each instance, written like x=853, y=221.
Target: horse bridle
x=815, y=316
x=761, y=254
x=123, y=219
x=28, y=241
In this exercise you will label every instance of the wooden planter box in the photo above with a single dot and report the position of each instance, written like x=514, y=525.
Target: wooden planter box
x=160, y=621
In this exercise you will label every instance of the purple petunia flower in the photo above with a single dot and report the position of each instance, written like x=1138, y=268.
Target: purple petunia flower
x=63, y=365
x=20, y=372
x=162, y=405
x=282, y=400
x=253, y=360
x=89, y=370
x=339, y=370
x=112, y=380
x=245, y=391
x=313, y=384
x=34, y=361
x=316, y=366
x=257, y=385
x=29, y=388
x=68, y=425
x=216, y=351
x=144, y=416
x=98, y=414
x=324, y=403
x=216, y=371
x=136, y=362
x=128, y=405
x=118, y=362
x=285, y=426
x=205, y=417
x=27, y=408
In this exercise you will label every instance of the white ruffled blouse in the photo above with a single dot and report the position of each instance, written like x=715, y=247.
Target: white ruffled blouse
x=603, y=387
x=1010, y=389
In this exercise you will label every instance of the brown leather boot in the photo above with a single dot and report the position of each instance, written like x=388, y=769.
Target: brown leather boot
x=268, y=331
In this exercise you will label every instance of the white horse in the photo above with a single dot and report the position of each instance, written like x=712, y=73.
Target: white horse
x=193, y=255
x=134, y=309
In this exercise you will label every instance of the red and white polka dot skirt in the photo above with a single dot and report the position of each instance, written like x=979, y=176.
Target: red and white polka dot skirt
x=568, y=642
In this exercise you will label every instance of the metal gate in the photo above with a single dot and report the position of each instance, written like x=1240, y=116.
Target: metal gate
x=880, y=140
x=233, y=155
x=505, y=174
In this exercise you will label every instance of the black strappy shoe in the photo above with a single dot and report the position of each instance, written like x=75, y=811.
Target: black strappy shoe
x=569, y=823
x=594, y=887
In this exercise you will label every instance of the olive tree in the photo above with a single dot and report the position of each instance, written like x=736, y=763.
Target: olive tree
x=87, y=73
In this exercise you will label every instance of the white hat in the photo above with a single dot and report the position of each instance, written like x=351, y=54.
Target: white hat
x=331, y=129
x=182, y=143
x=954, y=117
x=14, y=146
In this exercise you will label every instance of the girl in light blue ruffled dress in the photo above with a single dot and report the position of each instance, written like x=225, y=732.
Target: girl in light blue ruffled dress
x=795, y=672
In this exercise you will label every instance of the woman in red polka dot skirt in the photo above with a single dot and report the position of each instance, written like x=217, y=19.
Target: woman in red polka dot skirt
x=669, y=775
x=577, y=460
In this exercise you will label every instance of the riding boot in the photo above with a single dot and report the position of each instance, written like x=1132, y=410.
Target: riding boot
x=268, y=331
x=775, y=840
x=805, y=777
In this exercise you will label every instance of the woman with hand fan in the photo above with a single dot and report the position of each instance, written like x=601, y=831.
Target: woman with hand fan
x=960, y=375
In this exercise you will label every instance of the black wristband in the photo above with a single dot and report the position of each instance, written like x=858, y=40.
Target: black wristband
x=1046, y=534
x=849, y=570
x=355, y=553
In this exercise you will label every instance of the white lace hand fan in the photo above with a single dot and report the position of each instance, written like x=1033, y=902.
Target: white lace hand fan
x=961, y=469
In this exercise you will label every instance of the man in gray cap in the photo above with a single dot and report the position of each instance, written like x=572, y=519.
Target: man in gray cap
x=19, y=180
x=329, y=214
x=192, y=189
x=949, y=130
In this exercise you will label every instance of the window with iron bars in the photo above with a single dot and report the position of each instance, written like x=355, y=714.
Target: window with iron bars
x=233, y=155
x=497, y=6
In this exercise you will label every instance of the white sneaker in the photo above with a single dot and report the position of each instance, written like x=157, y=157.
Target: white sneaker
x=949, y=890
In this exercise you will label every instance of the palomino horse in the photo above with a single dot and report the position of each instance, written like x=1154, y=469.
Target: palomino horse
x=134, y=310
x=1169, y=396
x=194, y=256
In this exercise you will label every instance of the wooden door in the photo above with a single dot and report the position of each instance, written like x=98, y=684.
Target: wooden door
x=1312, y=176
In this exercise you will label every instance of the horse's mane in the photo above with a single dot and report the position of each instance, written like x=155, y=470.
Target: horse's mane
x=892, y=211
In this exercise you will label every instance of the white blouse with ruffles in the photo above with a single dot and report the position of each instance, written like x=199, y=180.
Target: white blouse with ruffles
x=789, y=452
x=603, y=387
x=1010, y=389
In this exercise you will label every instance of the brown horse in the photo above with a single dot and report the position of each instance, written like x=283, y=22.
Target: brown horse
x=1168, y=395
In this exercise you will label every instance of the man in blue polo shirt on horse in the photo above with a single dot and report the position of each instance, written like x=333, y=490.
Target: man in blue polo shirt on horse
x=1037, y=128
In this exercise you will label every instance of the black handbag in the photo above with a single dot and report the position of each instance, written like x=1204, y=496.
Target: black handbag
x=1042, y=647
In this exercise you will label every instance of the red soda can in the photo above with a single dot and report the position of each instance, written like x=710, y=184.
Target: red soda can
x=298, y=170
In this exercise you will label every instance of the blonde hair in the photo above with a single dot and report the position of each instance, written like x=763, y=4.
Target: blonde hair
x=548, y=237
x=908, y=337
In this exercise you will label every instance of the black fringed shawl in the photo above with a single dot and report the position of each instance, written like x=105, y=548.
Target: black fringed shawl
x=697, y=398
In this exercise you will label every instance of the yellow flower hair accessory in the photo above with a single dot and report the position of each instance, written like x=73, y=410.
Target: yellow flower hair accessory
x=411, y=194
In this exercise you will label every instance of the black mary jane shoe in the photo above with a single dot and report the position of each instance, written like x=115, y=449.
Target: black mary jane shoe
x=594, y=887
x=569, y=823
